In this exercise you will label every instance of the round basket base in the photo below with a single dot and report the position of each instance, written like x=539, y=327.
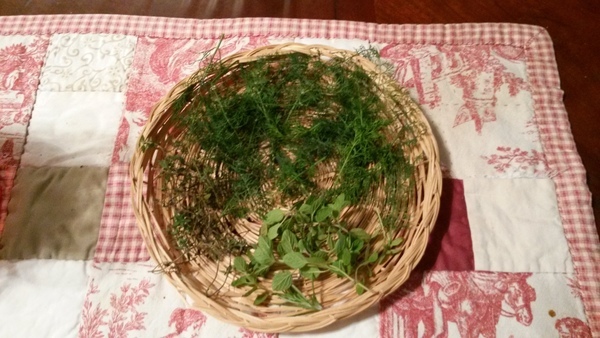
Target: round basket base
x=205, y=283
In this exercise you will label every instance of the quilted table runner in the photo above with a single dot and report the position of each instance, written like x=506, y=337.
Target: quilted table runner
x=514, y=253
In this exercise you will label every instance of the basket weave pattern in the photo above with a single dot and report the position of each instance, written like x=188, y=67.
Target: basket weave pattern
x=197, y=278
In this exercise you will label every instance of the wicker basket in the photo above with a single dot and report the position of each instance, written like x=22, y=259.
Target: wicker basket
x=337, y=296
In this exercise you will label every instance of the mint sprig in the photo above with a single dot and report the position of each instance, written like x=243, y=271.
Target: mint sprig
x=301, y=245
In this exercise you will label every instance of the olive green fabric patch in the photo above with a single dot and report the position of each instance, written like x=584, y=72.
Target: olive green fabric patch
x=54, y=213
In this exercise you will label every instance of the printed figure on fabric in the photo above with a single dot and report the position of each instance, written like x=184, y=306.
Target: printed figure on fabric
x=473, y=301
x=19, y=70
x=123, y=314
x=158, y=65
x=572, y=328
x=183, y=319
x=476, y=72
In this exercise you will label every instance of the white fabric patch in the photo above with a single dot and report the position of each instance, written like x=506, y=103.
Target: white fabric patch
x=26, y=287
x=87, y=62
x=516, y=226
x=364, y=324
x=71, y=129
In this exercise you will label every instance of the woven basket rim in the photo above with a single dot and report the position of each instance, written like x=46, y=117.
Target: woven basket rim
x=428, y=191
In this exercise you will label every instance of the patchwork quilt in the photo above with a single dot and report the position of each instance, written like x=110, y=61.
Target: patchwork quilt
x=514, y=252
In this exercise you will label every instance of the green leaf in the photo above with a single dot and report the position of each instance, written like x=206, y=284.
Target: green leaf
x=323, y=213
x=360, y=233
x=346, y=257
x=337, y=268
x=296, y=297
x=287, y=243
x=246, y=280
x=340, y=203
x=397, y=242
x=357, y=245
x=239, y=264
x=310, y=272
x=294, y=260
x=393, y=251
x=306, y=209
x=263, y=254
x=301, y=246
x=330, y=243
x=274, y=216
x=373, y=257
x=316, y=260
x=321, y=254
x=264, y=242
x=264, y=229
x=274, y=231
x=349, y=242
x=261, y=270
x=360, y=289
x=251, y=291
x=282, y=281
x=340, y=244
x=261, y=298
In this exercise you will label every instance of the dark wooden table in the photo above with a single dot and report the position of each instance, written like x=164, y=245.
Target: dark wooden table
x=574, y=26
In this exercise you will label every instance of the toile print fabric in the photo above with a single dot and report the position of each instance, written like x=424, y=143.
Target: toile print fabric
x=514, y=252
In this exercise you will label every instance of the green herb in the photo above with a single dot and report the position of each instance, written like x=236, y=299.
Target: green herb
x=261, y=132
x=329, y=247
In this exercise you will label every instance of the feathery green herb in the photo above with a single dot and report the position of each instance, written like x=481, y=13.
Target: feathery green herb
x=266, y=132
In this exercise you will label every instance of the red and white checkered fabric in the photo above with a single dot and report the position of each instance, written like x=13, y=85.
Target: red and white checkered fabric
x=574, y=198
x=119, y=239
